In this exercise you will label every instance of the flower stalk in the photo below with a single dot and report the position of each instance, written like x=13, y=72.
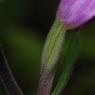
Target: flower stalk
x=50, y=55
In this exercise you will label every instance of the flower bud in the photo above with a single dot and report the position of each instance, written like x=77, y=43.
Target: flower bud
x=74, y=13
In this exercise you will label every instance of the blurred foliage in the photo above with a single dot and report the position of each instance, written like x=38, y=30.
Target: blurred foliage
x=24, y=25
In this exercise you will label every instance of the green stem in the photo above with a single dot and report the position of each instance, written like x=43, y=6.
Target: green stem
x=69, y=60
x=53, y=45
x=50, y=57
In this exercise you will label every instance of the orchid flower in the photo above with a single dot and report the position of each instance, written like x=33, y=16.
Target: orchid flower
x=74, y=13
x=71, y=14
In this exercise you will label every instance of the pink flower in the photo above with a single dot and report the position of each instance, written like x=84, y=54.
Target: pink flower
x=74, y=13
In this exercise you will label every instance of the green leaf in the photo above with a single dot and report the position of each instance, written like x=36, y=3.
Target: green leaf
x=69, y=62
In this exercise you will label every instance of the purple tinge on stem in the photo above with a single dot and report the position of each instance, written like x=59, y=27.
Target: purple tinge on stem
x=74, y=13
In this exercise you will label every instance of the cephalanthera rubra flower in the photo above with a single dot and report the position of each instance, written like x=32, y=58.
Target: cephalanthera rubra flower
x=74, y=13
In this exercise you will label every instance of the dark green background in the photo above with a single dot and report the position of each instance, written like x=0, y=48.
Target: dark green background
x=24, y=25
